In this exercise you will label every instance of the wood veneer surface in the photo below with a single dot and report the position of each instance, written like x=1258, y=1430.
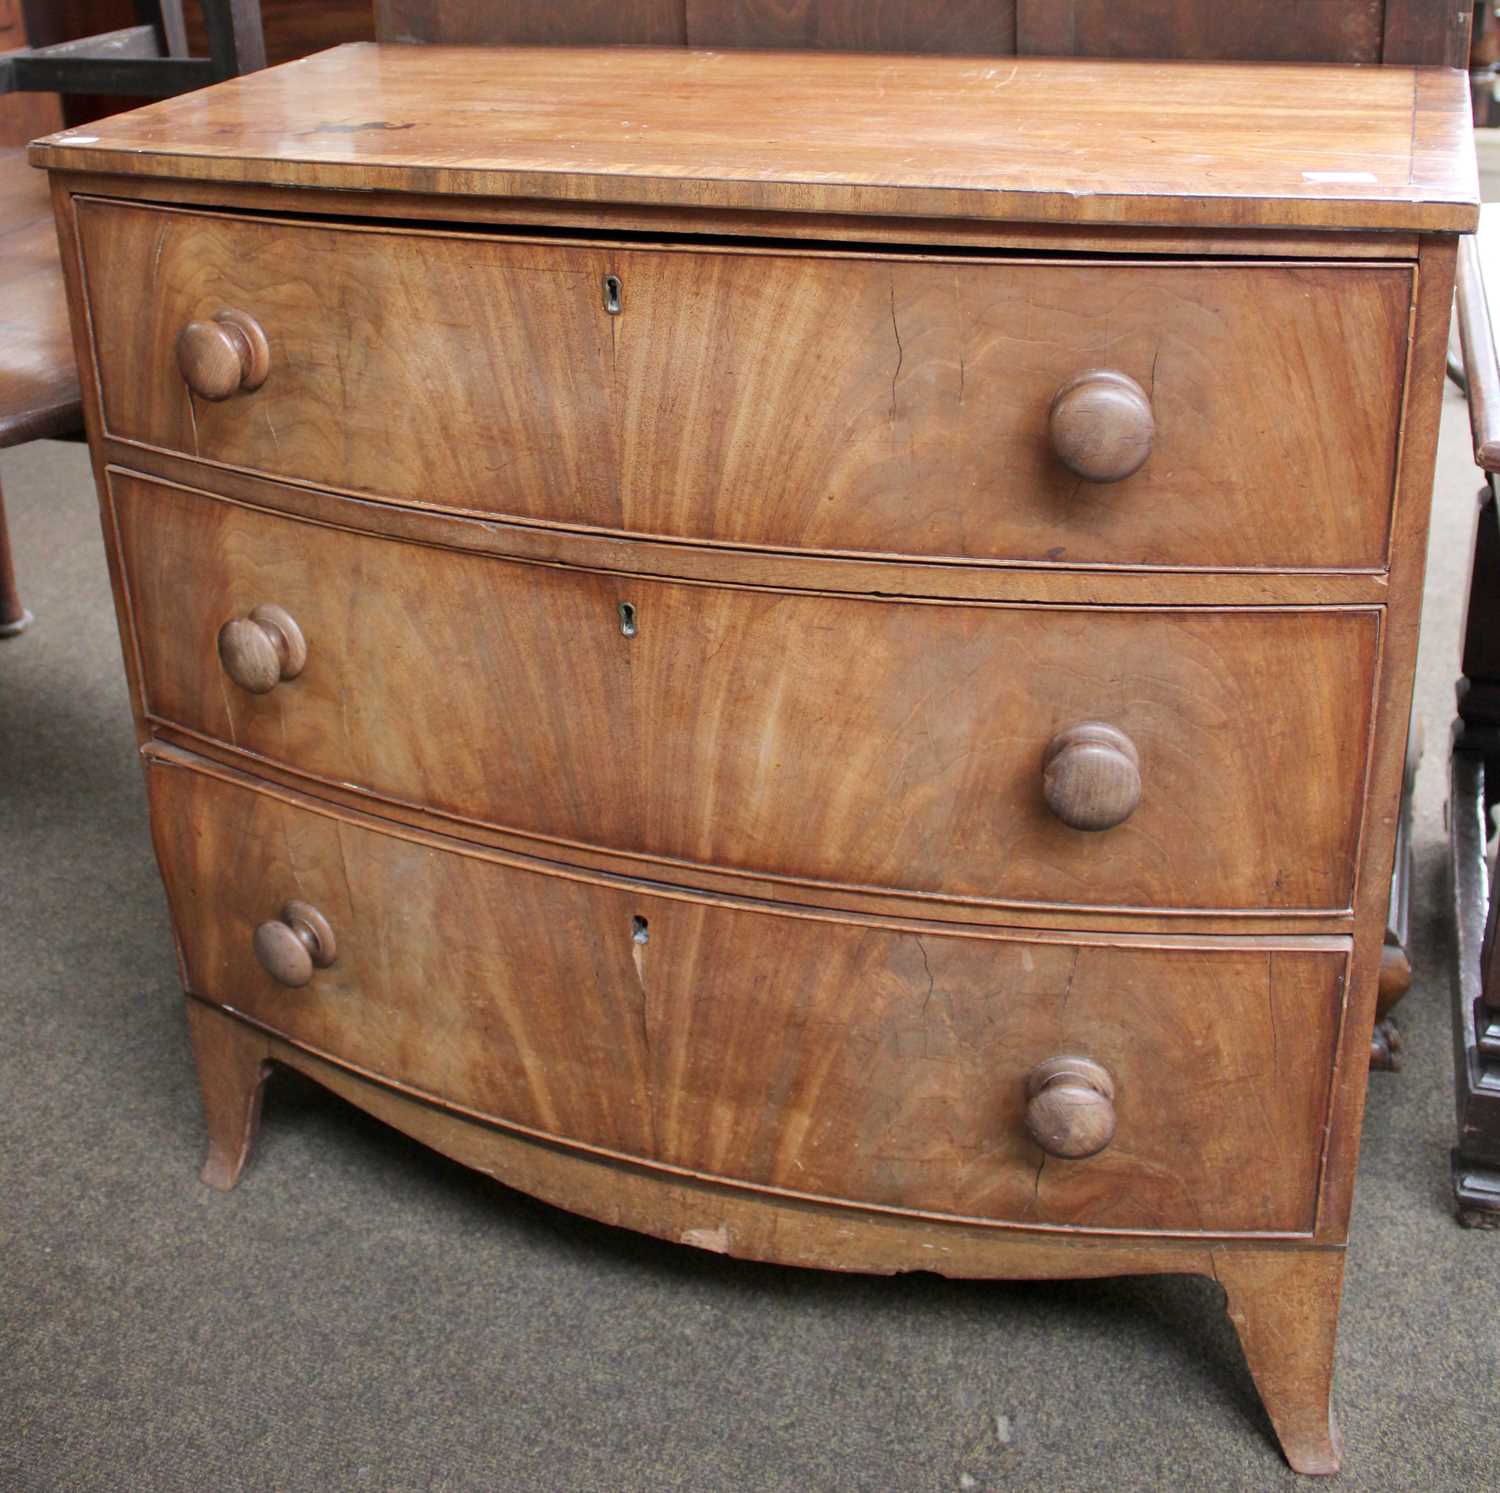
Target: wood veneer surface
x=437, y=1022
x=825, y=738
x=486, y=375
x=1185, y=143
x=831, y=1058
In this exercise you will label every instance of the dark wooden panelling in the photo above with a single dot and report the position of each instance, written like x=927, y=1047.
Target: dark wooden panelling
x=1272, y=31
x=1427, y=32
x=1409, y=31
x=654, y=23
x=978, y=26
x=293, y=28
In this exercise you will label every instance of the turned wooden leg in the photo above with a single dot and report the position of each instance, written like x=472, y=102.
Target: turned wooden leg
x=1386, y=1043
x=14, y=617
x=233, y=1061
x=1285, y=1306
x=1395, y=977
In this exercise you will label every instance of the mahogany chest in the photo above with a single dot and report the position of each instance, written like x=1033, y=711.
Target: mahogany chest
x=805, y=653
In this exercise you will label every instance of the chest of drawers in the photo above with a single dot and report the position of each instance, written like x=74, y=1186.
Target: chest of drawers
x=805, y=654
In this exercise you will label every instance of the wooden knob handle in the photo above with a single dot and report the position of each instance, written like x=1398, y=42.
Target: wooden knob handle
x=1091, y=776
x=291, y=947
x=1101, y=425
x=261, y=650
x=223, y=355
x=1070, y=1110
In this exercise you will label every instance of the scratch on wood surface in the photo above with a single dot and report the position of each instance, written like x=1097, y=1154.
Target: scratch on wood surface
x=286, y=845
x=900, y=356
x=638, y=948
x=1411, y=143
x=927, y=966
x=962, y=327
x=338, y=837
x=1036, y=1185
x=161, y=242
x=1068, y=988
x=228, y=709
x=1271, y=1009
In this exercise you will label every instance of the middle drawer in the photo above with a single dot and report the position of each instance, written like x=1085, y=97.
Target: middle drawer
x=927, y=748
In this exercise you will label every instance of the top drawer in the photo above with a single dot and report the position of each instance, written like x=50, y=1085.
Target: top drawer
x=820, y=401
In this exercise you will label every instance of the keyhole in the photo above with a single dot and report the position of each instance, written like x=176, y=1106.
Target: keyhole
x=627, y=619
x=639, y=931
x=612, y=294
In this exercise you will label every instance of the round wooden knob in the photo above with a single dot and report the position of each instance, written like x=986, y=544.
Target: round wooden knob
x=291, y=947
x=1091, y=776
x=261, y=650
x=1101, y=425
x=223, y=355
x=1070, y=1109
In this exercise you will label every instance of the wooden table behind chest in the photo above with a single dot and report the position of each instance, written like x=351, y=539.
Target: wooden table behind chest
x=770, y=651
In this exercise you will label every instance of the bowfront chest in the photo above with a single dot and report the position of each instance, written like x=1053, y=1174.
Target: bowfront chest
x=809, y=654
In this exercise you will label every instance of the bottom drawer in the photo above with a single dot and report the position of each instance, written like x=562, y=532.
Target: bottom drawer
x=863, y=1059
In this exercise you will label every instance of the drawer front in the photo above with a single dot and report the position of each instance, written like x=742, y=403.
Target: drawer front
x=818, y=402
x=827, y=739
x=842, y=1058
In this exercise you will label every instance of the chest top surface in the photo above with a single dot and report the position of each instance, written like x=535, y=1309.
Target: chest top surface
x=1180, y=144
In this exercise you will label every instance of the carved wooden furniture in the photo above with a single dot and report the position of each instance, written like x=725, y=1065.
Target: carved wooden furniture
x=840, y=704
x=39, y=395
x=1474, y=766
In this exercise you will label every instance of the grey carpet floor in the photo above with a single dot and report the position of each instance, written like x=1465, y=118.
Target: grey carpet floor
x=363, y=1314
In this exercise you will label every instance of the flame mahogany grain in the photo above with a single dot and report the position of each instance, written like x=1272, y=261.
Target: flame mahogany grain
x=485, y=375
x=898, y=1059
x=828, y=739
x=692, y=626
